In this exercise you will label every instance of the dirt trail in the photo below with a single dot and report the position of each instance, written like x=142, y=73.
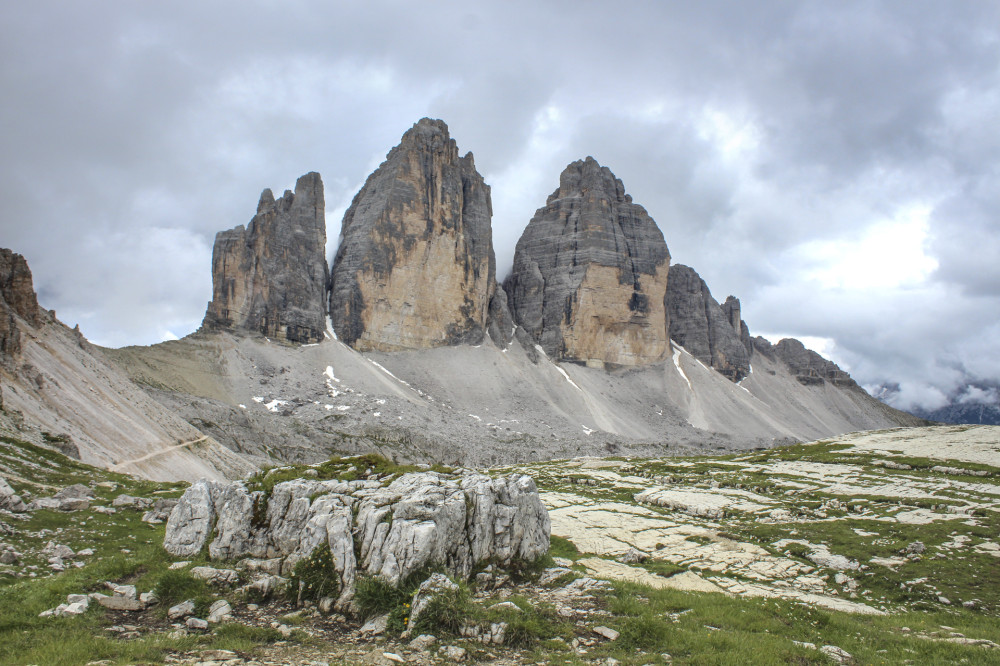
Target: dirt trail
x=160, y=452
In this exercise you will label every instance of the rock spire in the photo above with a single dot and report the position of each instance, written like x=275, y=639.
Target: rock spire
x=17, y=299
x=415, y=267
x=712, y=333
x=270, y=278
x=590, y=273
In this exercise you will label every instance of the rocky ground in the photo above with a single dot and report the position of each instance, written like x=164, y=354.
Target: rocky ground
x=860, y=525
x=877, y=548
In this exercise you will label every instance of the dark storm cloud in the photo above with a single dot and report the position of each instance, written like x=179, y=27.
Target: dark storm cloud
x=833, y=164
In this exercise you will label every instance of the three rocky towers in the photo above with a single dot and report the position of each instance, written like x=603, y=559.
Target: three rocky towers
x=416, y=269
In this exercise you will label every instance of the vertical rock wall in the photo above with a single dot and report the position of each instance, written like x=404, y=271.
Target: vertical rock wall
x=415, y=267
x=703, y=327
x=17, y=299
x=590, y=273
x=732, y=310
x=271, y=277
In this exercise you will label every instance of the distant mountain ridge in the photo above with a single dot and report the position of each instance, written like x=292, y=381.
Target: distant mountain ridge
x=976, y=402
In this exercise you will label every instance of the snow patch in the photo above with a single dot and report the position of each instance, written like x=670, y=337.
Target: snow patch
x=475, y=417
x=329, y=373
x=677, y=364
x=330, y=333
x=343, y=408
x=275, y=404
x=563, y=373
x=258, y=398
x=382, y=368
x=242, y=406
x=586, y=430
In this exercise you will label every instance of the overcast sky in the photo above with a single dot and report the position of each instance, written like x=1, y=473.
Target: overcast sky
x=834, y=164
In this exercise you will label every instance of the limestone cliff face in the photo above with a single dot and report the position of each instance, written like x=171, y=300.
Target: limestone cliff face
x=17, y=299
x=415, y=267
x=590, y=274
x=271, y=277
x=712, y=333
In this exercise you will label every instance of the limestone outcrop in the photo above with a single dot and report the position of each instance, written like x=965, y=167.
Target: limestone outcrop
x=17, y=299
x=590, y=274
x=809, y=368
x=421, y=518
x=270, y=278
x=415, y=267
x=713, y=334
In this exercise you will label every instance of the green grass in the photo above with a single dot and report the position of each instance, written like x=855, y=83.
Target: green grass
x=176, y=586
x=314, y=577
x=560, y=547
x=718, y=629
x=374, y=596
x=126, y=550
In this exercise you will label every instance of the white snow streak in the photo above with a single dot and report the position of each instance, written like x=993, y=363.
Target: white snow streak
x=329, y=373
x=382, y=368
x=563, y=373
x=677, y=364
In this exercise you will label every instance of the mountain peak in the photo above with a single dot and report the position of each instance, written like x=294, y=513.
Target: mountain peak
x=270, y=277
x=415, y=267
x=590, y=273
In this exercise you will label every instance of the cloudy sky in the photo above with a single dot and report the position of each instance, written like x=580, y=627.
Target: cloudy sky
x=836, y=165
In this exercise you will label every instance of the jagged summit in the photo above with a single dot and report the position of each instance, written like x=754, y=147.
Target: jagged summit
x=808, y=367
x=415, y=267
x=270, y=278
x=714, y=334
x=590, y=273
x=17, y=299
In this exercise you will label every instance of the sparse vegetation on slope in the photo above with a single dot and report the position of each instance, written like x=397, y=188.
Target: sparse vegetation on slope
x=849, y=536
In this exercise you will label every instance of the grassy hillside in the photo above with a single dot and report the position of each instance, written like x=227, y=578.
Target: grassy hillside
x=785, y=537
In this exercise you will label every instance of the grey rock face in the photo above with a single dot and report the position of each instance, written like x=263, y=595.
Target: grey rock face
x=191, y=520
x=700, y=325
x=732, y=310
x=415, y=267
x=17, y=299
x=809, y=367
x=418, y=519
x=590, y=273
x=271, y=277
x=500, y=323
